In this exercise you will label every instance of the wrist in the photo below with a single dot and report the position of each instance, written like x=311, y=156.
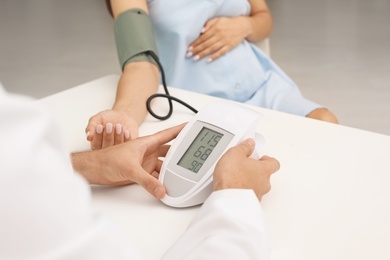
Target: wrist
x=135, y=115
x=221, y=185
x=123, y=107
x=247, y=27
x=88, y=164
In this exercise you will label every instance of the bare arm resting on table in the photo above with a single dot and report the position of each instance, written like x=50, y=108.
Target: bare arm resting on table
x=138, y=82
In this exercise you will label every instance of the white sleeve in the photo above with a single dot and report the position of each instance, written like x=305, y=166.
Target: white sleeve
x=45, y=206
x=230, y=225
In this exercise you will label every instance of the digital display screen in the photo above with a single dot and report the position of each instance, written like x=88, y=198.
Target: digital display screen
x=200, y=149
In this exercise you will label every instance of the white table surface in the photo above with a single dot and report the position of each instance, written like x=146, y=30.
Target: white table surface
x=330, y=199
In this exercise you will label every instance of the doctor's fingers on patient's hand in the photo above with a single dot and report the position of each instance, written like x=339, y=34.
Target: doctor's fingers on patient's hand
x=141, y=152
x=159, y=139
x=110, y=127
x=134, y=161
x=220, y=35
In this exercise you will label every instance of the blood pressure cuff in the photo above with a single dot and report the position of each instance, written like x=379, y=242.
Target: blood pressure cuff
x=134, y=37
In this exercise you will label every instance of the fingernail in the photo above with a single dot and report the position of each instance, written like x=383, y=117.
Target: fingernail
x=251, y=142
x=190, y=48
x=159, y=192
x=189, y=54
x=197, y=57
x=109, y=128
x=99, y=129
x=209, y=60
x=203, y=30
x=87, y=134
x=127, y=134
x=118, y=129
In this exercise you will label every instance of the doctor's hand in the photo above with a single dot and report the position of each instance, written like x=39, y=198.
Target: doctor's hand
x=235, y=170
x=135, y=161
x=110, y=127
x=219, y=36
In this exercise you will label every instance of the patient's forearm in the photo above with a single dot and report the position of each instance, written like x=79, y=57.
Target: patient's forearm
x=138, y=82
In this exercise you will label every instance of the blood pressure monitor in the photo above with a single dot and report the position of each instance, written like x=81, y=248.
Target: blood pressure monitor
x=187, y=171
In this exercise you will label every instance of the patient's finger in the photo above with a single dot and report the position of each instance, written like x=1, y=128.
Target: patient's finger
x=108, y=136
x=97, y=140
x=118, y=134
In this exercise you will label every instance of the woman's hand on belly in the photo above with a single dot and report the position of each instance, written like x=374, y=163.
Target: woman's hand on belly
x=219, y=36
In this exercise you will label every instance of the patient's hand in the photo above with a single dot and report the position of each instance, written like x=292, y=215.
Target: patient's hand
x=219, y=36
x=110, y=127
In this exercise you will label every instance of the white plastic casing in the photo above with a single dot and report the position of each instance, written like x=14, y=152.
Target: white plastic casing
x=234, y=123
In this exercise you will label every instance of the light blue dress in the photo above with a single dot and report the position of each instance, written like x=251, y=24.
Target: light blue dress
x=245, y=74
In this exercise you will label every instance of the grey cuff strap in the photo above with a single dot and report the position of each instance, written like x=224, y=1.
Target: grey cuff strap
x=134, y=37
